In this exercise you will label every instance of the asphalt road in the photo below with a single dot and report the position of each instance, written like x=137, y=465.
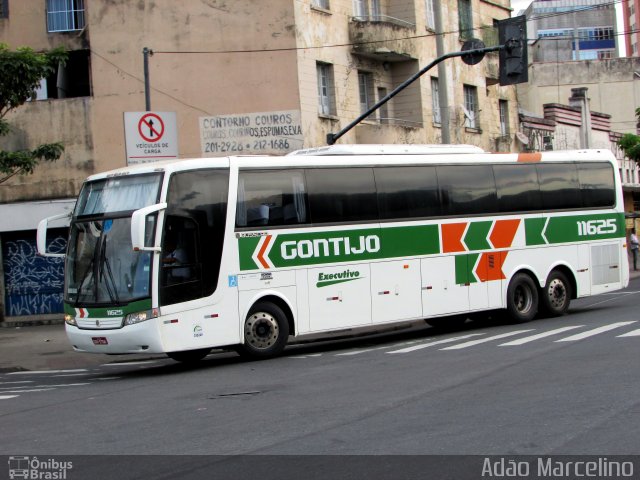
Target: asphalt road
x=563, y=386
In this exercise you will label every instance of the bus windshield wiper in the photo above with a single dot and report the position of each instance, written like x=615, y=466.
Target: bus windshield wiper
x=110, y=283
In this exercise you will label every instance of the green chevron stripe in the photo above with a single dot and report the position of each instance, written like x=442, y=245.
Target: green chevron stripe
x=476, y=237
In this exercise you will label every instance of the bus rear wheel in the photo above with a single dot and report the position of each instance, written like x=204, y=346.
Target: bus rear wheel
x=522, y=299
x=189, y=356
x=266, y=331
x=556, y=294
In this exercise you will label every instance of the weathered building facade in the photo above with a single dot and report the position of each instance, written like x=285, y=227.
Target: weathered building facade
x=312, y=65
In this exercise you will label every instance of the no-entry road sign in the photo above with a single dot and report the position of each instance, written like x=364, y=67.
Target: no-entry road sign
x=150, y=136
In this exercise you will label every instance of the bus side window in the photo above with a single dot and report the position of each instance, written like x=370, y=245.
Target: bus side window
x=271, y=198
x=597, y=185
x=559, y=186
x=517, y=186
x=341, y=195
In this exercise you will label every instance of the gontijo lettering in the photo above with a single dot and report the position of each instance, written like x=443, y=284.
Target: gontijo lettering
x=324, y=247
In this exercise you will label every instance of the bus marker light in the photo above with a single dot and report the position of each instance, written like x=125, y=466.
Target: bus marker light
x=386, y=292
x=213, y=315
x=405, y=266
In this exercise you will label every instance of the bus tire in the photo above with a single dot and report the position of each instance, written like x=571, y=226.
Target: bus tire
x=556, y=294
x=189, y=356
x=266, y=331
x=522, y=299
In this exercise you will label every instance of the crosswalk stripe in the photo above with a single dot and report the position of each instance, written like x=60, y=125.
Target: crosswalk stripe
x=532, y=338
x=484, y=340
x=7, y=397
x=595, y=331
x=430, y=344
x=633, y=333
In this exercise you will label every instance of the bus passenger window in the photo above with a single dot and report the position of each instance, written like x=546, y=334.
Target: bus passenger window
x=597, y=185
x=467, y=189
x=342, y=195
x=517, y=186
x=407, y=192
x=559, y=186
x=271, y=198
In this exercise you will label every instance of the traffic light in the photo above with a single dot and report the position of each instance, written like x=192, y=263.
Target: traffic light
x=514, y=62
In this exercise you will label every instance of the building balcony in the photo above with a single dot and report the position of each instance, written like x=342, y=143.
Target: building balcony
x=380, y=38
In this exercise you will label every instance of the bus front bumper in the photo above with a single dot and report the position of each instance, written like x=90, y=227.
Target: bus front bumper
x=139, y=338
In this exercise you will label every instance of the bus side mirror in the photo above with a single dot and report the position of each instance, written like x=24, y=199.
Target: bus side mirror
x=139, y=228
x=41, y=236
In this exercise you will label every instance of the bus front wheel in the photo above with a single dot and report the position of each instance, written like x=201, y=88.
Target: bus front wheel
x=522, y=298
x=266, y=331
x=556, y=295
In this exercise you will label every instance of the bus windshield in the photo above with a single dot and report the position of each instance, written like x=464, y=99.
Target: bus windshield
x=102, y=267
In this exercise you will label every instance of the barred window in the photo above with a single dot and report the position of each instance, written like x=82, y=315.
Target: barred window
x=65, y=15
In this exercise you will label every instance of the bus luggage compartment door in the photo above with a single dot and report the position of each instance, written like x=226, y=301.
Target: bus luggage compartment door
x=339, y=297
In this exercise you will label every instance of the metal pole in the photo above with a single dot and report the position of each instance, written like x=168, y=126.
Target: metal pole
x=443, y=94
x=147, y=90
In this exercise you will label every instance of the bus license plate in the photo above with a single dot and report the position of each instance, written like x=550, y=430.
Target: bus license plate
x=100, y=340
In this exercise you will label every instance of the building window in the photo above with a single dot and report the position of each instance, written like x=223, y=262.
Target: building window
x=68, y=81
x=324, y=4
x=604, y=54
x=435, y=101
x=365, y=85
x=65, y=15
x=471, y=107
x=326, y=93
x=360, y=9
x=431, y=19
x=4, y=8
x=465, y=19
x=503, y=105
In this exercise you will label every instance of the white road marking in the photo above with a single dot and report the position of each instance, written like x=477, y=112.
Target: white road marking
x=538, y=336
x=307, y=356
x=72, y=375
x=33, y=390
x=633, y=333
x=595, y=331
x=13, y=383
x=44, y=386
x=358, y=352
x=7, y=397
x=430, y=344
x=484, y=340
x=40, y=372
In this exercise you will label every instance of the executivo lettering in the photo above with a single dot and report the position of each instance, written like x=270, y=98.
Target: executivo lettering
x=326, y=279
x=324, y=247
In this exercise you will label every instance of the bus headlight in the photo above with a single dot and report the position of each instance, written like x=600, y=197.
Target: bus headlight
x=139, y=317
x=70, y=320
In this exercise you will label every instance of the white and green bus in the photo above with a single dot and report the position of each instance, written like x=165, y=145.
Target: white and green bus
x=185, y=256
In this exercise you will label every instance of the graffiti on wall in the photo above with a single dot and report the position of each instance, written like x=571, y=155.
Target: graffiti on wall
x=33, y=284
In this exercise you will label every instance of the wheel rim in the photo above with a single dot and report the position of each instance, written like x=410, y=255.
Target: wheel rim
x=523, y=298
x=261, y=330
x=557, y=294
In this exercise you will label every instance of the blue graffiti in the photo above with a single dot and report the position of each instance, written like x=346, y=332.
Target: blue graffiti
x=33, y=284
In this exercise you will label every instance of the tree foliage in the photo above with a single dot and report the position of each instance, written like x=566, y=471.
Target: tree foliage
x=21, y=71
x=630, y=143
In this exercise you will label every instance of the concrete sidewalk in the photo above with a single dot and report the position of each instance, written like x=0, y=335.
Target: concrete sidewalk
x=25, y=346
